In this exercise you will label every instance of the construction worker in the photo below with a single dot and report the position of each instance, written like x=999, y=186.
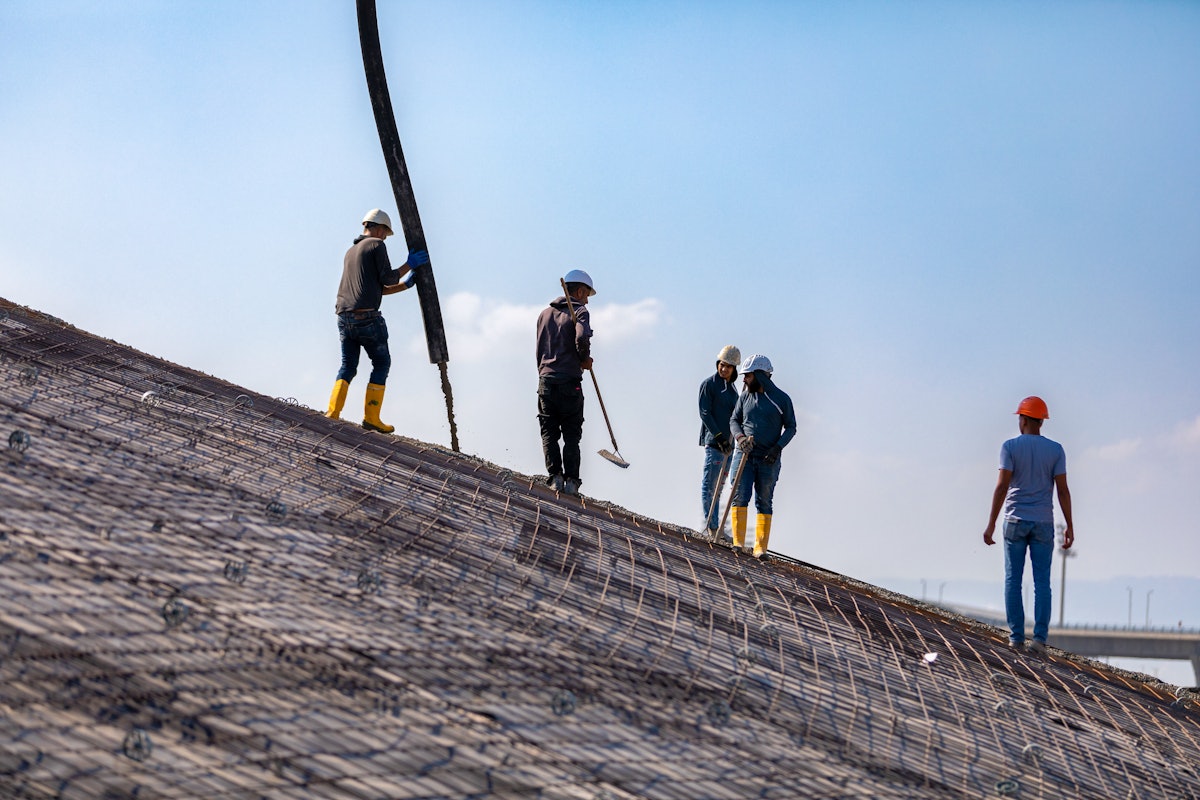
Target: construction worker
x=762, y=424
x=1031, y=468
x=564, y=349
x=718, y=396
x=367, y=275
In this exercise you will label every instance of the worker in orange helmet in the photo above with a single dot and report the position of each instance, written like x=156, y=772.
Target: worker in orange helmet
x=1031, y=468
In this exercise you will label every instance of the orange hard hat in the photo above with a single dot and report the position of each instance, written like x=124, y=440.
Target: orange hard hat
x=1033, y=406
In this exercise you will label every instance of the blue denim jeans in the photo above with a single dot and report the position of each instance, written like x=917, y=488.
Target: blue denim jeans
x=364, y=331
x=757, y=477
x=710, y=484
x=1038, y=539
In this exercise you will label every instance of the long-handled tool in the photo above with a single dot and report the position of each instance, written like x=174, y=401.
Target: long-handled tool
x=716, y=500
x=615, y=456
x=737, y=478
x=406, y=201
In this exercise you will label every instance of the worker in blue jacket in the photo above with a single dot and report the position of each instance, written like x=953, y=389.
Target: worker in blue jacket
x=762, y=424
x=718, y=396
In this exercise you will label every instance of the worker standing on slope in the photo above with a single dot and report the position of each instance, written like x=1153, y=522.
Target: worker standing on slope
x=1031, y=468
x=763, y=422
x=564, y=348
x=718, y=396
x=367, y=275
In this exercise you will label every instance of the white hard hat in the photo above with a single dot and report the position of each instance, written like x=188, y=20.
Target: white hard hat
x=756, y=363
x=579, y=276
x=730, y=355
x=378, y=217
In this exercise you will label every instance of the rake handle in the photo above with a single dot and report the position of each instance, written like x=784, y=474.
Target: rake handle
x=716, y=501
x=737, y=478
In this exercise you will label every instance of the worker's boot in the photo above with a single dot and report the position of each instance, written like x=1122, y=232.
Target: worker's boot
x=762, y=534
x=371, y=408
x=338, y=399
x=738, y=515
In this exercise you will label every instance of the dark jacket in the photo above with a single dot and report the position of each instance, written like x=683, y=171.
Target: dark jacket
x=717, y=399
x=561, y=346
x=365, y=271
x=768, y=416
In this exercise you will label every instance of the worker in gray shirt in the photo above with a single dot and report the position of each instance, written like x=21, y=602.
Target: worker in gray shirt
x=367, y=275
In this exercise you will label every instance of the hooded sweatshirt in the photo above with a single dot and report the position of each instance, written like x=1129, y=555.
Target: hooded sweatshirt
x=768, y=416
x=717, y=399
x=561, y=345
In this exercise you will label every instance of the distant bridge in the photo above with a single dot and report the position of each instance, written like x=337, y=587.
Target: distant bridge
x=1112, y=641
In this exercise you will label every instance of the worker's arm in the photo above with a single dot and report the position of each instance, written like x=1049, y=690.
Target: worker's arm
x=706, y=416
x=583, y=334
x=406, y=282
x=1064, y=503
x=998, y=495
x=408, y=275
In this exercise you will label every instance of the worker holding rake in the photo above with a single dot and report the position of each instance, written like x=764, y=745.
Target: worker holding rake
x=762, y=424
x=564, y=347
x=718, y=396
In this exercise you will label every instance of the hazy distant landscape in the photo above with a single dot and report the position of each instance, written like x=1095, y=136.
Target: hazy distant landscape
x=1174, y=602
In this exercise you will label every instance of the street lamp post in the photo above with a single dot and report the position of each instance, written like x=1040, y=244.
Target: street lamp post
x=1062, y=588
x=1148, y=607
x=1130, y=590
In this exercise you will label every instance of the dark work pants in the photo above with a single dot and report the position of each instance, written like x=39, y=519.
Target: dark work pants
x=560, y=413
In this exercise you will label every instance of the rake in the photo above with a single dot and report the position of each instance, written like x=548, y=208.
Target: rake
x=615, y=455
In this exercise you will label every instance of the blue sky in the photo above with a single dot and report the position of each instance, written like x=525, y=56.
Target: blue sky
x=920, y=212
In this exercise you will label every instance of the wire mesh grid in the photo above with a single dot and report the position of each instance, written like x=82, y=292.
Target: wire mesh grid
x=207, y=592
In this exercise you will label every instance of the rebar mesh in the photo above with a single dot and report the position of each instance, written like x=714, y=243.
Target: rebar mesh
x=210, y=593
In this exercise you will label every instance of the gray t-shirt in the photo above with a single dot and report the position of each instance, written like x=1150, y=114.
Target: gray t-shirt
x=1035, y=462
x=365, y=271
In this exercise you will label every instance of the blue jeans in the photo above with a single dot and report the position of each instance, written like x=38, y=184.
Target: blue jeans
x=757, y=476
x=710, y=484
x=368, y=331
x=1038, y=539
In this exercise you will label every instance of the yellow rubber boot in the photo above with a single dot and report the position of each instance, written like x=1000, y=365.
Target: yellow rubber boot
x=338, y=399
x=371, y=408
x=738, y=516
x=762, y=534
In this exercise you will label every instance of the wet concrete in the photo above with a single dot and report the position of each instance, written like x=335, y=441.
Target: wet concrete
x=449, y=394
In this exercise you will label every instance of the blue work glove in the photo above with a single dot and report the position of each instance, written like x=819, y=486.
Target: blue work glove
x=772, y=454
x=417, y=258
x=409, y=279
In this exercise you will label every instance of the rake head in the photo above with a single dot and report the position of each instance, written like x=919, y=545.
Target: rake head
x=614, y=458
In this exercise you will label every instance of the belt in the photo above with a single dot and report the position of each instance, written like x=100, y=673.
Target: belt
x=360, y=313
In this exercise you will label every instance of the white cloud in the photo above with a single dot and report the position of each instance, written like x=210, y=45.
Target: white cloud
x=477, y=330
x=1118, y=451
x=1187, y=434
x=620, y=323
